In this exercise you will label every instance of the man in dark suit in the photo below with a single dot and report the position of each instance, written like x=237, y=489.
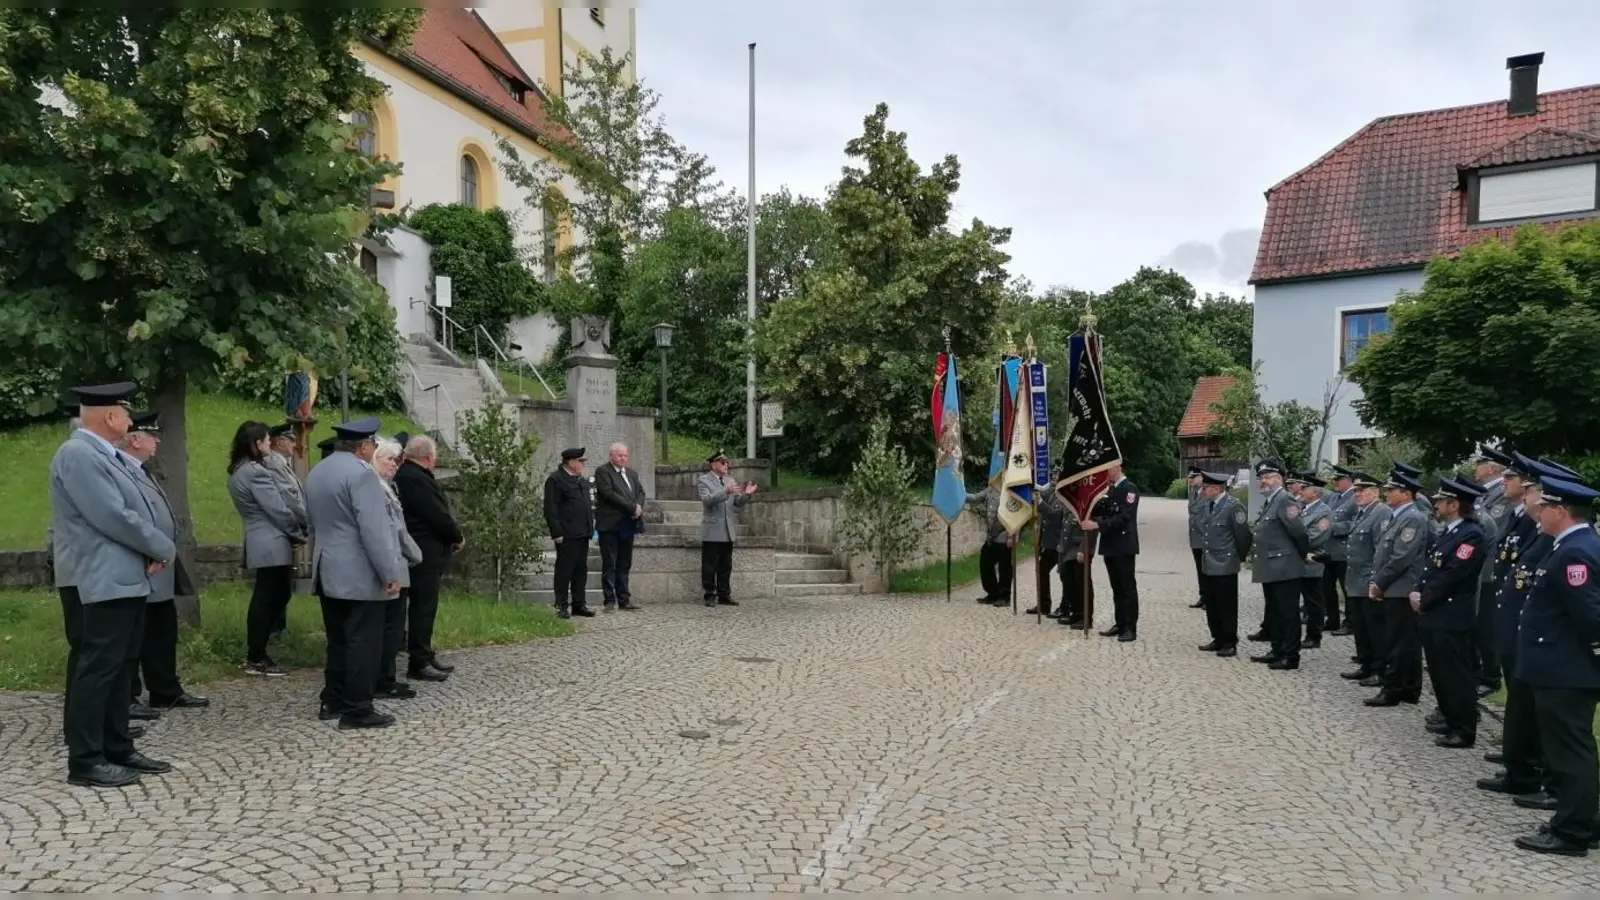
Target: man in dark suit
x=438, y=535
x=569, y=513
x=619, y=517
x=1116, y=517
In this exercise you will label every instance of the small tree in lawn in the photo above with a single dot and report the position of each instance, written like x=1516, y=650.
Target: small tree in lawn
x=879, y=516
x=499, y=496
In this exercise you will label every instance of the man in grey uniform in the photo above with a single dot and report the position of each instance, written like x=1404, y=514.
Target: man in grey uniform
x=1493, y=512
x=1318, y=517
x=1198, y=514
x=1341, y=499
x=994, y=558
x=1281, y=549
x=356, y=568
x=1227, y=540
x=1398, y=561
x=1358, y=525
x=105, y=546
x=719, y=495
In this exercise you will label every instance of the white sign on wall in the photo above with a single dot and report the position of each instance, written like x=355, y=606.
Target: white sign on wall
x=771, y=420
x=441, y=291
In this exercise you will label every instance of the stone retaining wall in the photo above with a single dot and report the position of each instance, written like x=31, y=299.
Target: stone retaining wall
x=677, y=482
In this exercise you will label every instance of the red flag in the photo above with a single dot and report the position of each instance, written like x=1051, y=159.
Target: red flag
x=940, y=367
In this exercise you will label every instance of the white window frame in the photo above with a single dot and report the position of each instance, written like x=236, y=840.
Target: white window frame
x=1339, y=314
x=1591, y=194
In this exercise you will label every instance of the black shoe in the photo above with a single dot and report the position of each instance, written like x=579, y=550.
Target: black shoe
x=1264, y=658
x=727, y=601
x=1499, y=785
x=1356, y=660
x=609, y=606
x=1070, y=621
x=185, y=700
x=444, y=667
x=712, y=601
x=396, y=691
x=137, y=710
x=984, y=598
x=265, y=667
x=1412, y=699
x=142, y=764
x=1545, y=842
x=1128, y=636
x=1210, y=647
x=1198, y=604
x=1340, y=632
x=1455, y=740
x=1227, y=651
x=1284, y=665
x=630, y=606
x=1313, y=644
x=1495, y=756
x=583, y=611
x=1437, y=728
x=1357, y=675
x=1436, y=717
x=104, y=775
x=366, y=720
x=1031, y=611
x=430, y=672
x=1371, y=681
x=326, y=712
x=1384, y=698
x=563, y=613
x=1258, y=637
x=1536, y=800
x=1113, y=631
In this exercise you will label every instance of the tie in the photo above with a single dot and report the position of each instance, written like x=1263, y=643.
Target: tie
x=1212, y=507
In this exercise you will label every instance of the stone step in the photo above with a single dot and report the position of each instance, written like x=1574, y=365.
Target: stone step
x=786, y=561
x=791, y=591
x=692, y=531
x=678, y=506
x=811, y=576
x=674, y=517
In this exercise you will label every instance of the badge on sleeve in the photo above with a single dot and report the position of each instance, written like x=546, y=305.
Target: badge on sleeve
x=1291, y=510
x=1577, y=575
x=1406, y=534
x=1464, y=551
x=1132, y=497
x=1322, y=524
x=1238, y=516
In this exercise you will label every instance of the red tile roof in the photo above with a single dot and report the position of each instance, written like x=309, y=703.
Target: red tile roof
x=1390, y=196
x=456, y=49
x=1198, y=417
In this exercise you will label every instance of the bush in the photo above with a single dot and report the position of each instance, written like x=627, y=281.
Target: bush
x=28, y=394
x=499, y=501
x=375, y=356
x=1178, y=489
x=879, y=505
x=477, y=251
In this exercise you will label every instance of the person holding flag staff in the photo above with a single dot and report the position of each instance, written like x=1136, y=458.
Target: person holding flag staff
x=1090, y=463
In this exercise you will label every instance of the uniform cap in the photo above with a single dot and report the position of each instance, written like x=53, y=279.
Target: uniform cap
x=283, y=430
x=1457, y=489
x=1488, y=454
x=1269, y=467
x=1362, y=479
x=115, y=394
x=1305, y=478
x=326, y=447
x=1559, y=492
x=147, y=422
x=572, y=453
x=1403, y=481
x=1342, y=472
x=718, y=456
x=359, y=430
x=1408, y=469
x=1196, y=470
x=1213, y=478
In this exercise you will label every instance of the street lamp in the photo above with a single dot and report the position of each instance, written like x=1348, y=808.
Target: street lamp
x=663, y=341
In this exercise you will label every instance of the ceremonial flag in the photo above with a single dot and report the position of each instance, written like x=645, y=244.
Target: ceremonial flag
x=1040, y=408
x=1006, y=377
x=1092, y=445
x=949, y=491
x=1016, y=503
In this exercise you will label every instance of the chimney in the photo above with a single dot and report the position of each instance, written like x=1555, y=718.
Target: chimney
x=1524, y=84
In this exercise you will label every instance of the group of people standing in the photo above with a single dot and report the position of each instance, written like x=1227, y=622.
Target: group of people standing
x=1489, y=580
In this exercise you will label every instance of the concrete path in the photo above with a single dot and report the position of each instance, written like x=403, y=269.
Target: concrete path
x=858, y=744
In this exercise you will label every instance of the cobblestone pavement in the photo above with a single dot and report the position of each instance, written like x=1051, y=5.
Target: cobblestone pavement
x=872, y=744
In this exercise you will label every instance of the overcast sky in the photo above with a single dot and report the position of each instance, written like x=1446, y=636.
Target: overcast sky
x=1108, y=134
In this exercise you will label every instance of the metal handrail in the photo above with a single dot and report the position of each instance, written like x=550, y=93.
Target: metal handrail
x=521, y=363
x=453, y=437
x=453, y=327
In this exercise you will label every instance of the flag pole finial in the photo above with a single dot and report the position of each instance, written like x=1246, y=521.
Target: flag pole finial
x=946, y=332
x=1011, y=345
x=1033, y=350
x=1088, y=319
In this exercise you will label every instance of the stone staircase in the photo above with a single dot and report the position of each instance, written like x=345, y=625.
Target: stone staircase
x=811, y=575
x=438, y=411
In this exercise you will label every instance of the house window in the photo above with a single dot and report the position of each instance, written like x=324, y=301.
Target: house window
x=1351, y=450
x=548, y=235
x=366, y=133
x=517, y=92
x=369, y=264
x=1534, y=193
x=598, y=14
x=1357, y=331
x=469, y=181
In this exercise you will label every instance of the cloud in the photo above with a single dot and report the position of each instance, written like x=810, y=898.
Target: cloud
x=1226, y=260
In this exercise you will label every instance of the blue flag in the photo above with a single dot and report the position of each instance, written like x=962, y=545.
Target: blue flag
x=949, y=490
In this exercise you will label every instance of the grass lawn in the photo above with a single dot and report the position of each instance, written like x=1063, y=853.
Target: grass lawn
x=963, y=571
x=688, y=450
x=33, y=651
x=212, y=419
x=519, y=380
x=1498, y=699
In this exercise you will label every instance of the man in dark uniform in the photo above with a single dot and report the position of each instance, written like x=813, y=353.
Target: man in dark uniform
x=1363, y=617
x=1116, y=517
x=1342, y=500
x=1397, y=562
x=1197, y=526
x=1281, y=549
x=1445, y=598
x=1318, y=516
x=1494, y=516
x=1052, y=516
x=1227, y=540
x=570, y=516
x=1077, y=590
x=1558, y=654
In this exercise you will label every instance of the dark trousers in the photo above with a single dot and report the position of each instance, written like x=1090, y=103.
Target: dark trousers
x=269, y=602
x=394, y=637
x=572, y=573
x=1333, y=594
x=72, y=625
x=355, y=652
x=1402, y=677
x=1449, y=657
x=616, y=562
x=1315, y=607
x=1356, y=619
x=1566, y=734
x=110, y=634
x=1124, y=591
x=158, y=655
x=1487, y=668
x=1075, y=589
x=1221, y=595
x=1375, y=615
x=994, y=570
x=1520, y=738
x=1047, y=564
x=422, y=608
x=1199, y=574
x=716, y=570
x=1283, y=618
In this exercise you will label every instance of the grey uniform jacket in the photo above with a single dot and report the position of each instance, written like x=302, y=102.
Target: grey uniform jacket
x=717, y=523
x=271, y=527
x=1494, y=517
x=1280, y=540
x=357, y=549
x=410, y=553
x=103, y=531
x=1226, y=536
x=1318, y=517
x=1343, y=506
x=1071, y=537
x=1361, y=528
x=1401, y=552
x=990, y=498
x=1199, y=510
x=294, y=497
x=163, y=584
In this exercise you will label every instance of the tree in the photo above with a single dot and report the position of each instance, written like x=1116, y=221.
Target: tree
x=1498, y=344
x=1250, y=429
x=498, y=496
x=1228, y=324
x=477, y=250
x=179, y=191
x=858, y=342
x=878, y=517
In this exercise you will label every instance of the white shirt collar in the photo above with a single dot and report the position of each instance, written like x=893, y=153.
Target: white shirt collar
x=1494, y=481
x=1578, y=527
x=105, y=445
x=1451, y=525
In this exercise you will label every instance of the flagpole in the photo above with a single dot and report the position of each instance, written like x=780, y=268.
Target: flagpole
x=1090, y=538
x=949, y=526
x=1038, y=574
